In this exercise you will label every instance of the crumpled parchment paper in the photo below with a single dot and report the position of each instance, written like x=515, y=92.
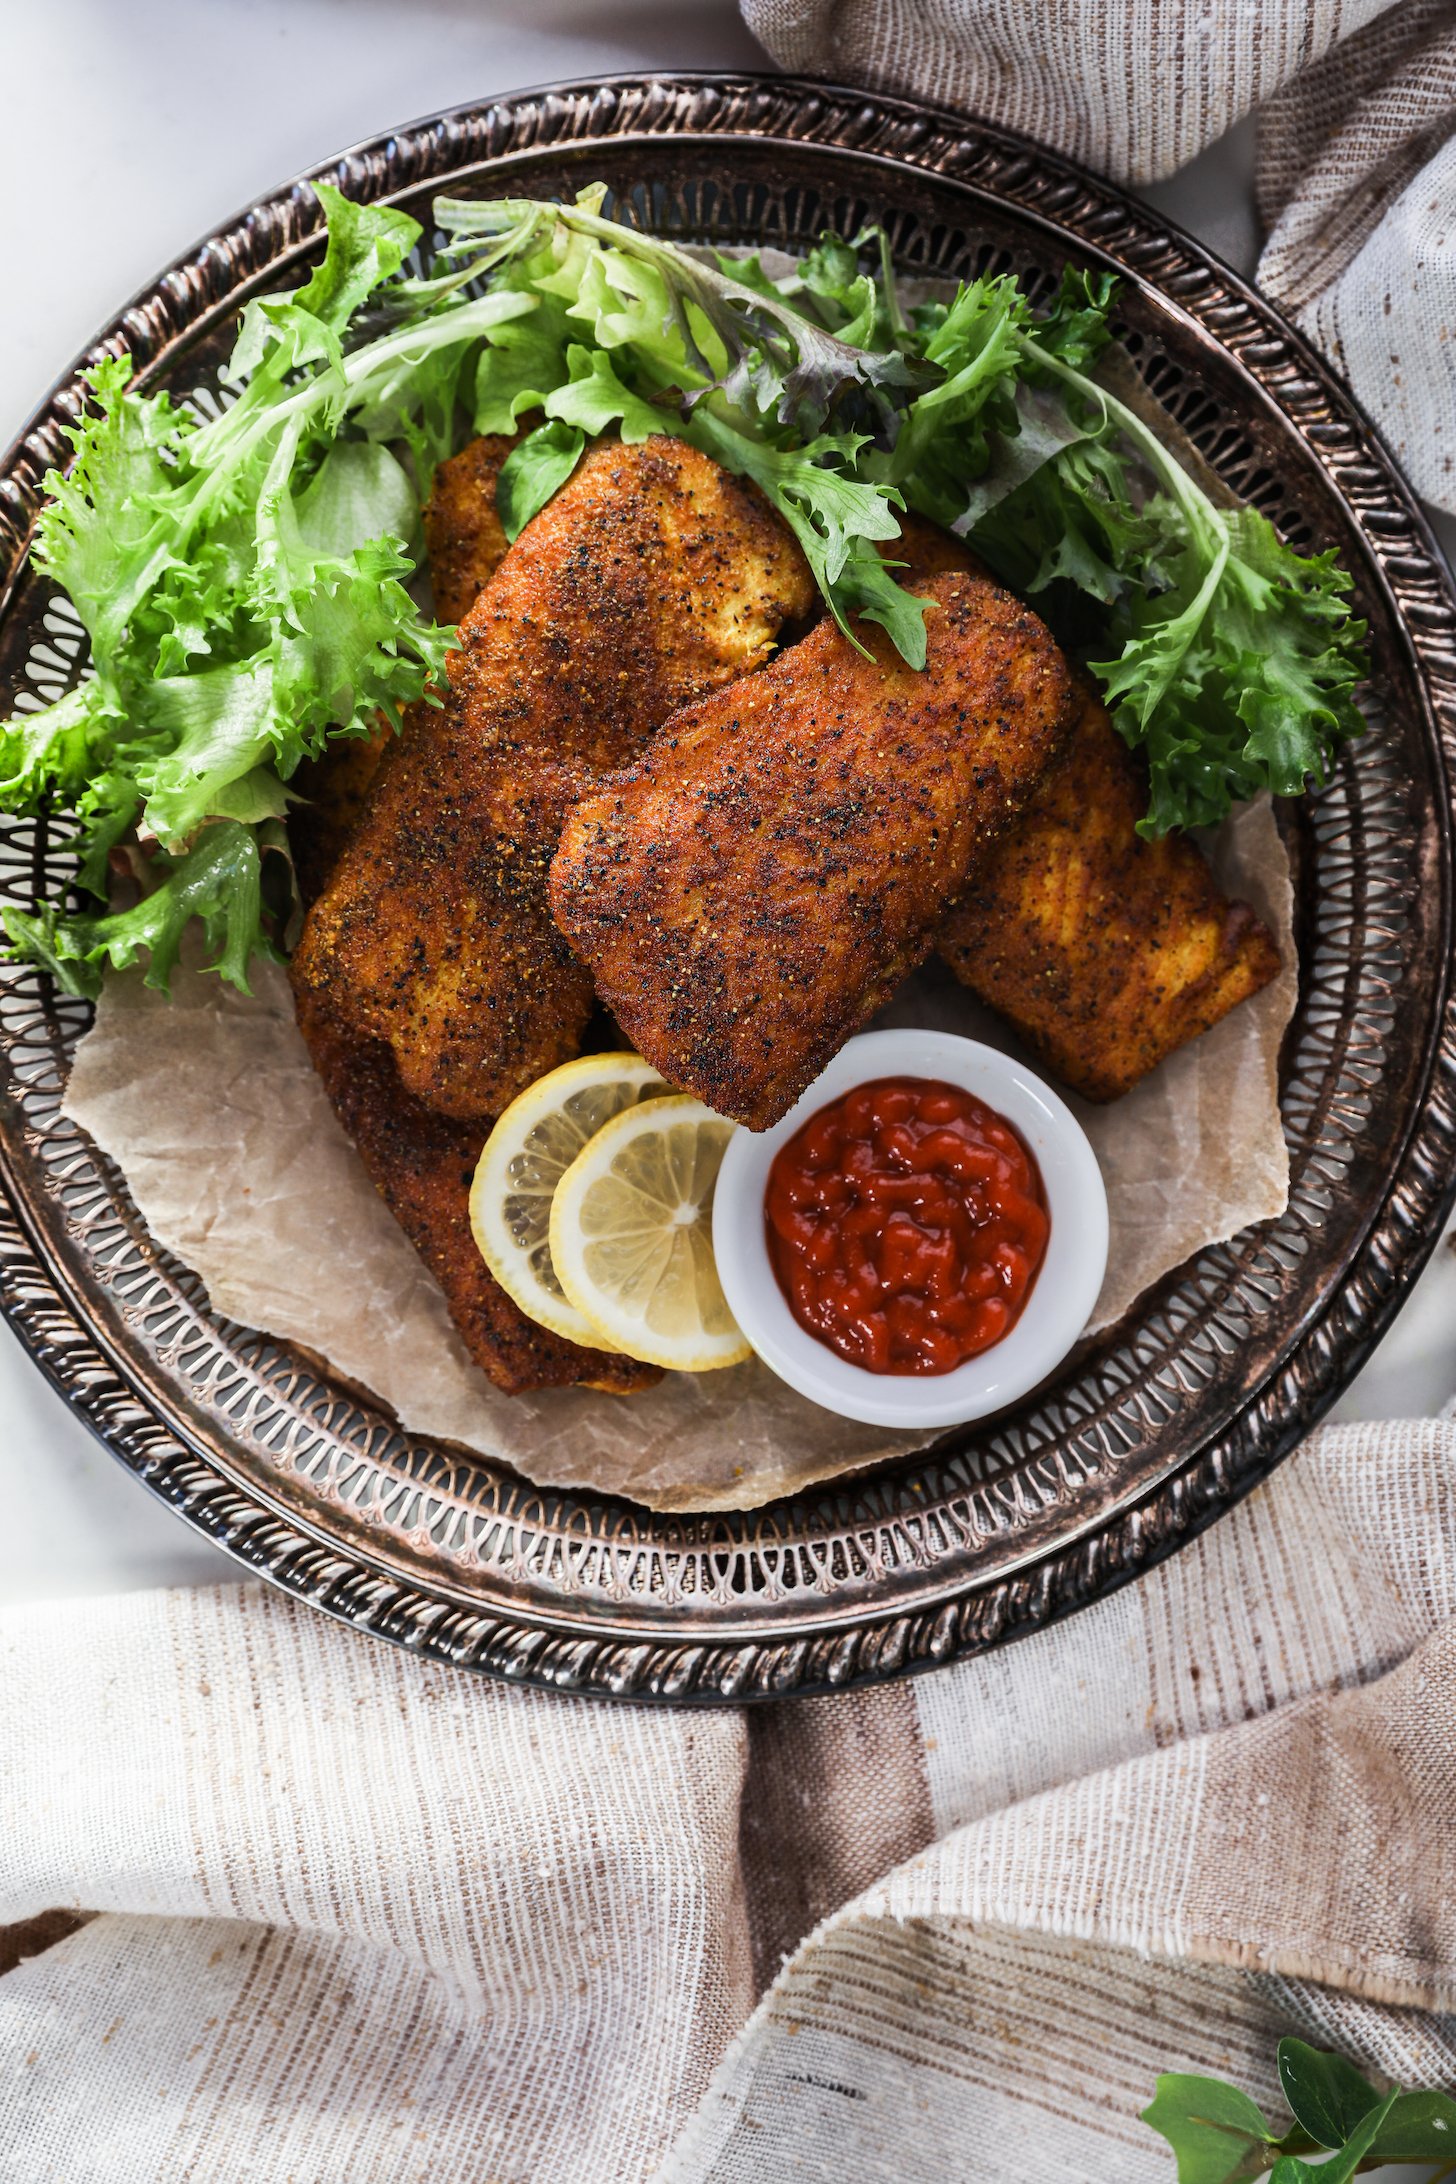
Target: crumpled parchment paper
x=210, y=1107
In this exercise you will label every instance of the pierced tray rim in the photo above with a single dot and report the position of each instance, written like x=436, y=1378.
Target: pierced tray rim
x=876, y=1639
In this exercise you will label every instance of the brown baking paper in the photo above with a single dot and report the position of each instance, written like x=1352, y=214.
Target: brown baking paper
x=210, y=1107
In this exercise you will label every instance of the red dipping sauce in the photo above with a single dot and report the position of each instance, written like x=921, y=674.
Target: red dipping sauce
x=907, y=1224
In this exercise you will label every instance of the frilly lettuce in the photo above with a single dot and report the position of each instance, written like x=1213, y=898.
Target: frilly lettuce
x=242, y=580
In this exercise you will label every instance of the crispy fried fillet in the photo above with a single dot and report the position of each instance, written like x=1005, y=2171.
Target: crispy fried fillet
x=924, y=550
x=421, y=1164
x=463, y=534
x=334, y=788
x=650, y=578
x=466, y=546
x=749, y=893
x=1105, y=952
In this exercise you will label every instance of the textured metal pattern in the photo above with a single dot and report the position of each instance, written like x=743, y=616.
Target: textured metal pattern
x=1206, y=1384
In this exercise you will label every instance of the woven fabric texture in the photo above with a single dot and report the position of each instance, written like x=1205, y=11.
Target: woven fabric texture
x=1356, y=103
x=383, y=1922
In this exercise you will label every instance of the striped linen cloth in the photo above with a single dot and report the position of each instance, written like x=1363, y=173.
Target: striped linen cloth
x=1356, y=145
x=288, y=1905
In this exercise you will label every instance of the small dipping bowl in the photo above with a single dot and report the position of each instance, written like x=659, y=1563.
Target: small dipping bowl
x=1054, y=1314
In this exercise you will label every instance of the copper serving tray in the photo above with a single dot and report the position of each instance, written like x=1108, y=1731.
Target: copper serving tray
x=1162, y=1423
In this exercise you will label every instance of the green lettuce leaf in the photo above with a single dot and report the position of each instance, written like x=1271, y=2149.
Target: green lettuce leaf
x=596, y=400
x=533, y=471
x=1217, y=2133
x=57, y=748
x=243, y=582
x=837, y=520
x=218, y=881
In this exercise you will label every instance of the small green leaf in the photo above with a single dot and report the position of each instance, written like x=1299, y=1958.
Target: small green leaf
x=218, y=881
x=836, y=518
x=596, y=399
x=1327, y=2096
x=213, y=729
x=257, y=796
x=359, y=492
x=56, y=747
x=50, y=942
x=1418, y=2127
x=364, y=245
x=1344, y=2164
x=1076, y=328
x=535, y=470
x=522, y=361
x=1216, y=2132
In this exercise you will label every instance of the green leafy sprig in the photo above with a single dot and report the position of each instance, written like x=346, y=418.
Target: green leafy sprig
x=742, y=339
x=1219, y=2136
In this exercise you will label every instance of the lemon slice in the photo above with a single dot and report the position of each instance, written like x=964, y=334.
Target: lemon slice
x=527, y=1153
x=632, y=1236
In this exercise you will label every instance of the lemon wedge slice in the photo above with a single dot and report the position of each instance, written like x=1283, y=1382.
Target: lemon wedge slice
x=527, y=1153
x=632, y=1236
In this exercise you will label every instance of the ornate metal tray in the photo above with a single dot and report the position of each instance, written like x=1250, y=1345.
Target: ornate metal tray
x=1208, y=1381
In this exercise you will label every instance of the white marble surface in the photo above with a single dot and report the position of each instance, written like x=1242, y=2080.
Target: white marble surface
x=162, y=117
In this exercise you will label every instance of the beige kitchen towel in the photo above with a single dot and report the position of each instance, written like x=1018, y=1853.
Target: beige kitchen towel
x=1357, y=182
x=1134, y=88
x=1356, y=108
x=365, y=1920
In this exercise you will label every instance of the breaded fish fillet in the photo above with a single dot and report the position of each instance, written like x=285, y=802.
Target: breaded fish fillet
x=334, y=789
x=421, y=1164
x=924, y=550
x=1102, y=950
x=749, y=893
x=463, y=535
x=465, y=546
x=651, y=577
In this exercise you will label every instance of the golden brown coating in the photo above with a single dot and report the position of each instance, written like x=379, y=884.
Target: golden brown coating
x=421, y=1164
x=466, y=546
x=334, y=789
x=924, y=550
x=651, y=576
x=463, y=534
x=1103, y=951
x=750, y=892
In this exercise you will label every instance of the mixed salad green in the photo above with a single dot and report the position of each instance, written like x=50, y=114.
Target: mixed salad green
x=243, y=576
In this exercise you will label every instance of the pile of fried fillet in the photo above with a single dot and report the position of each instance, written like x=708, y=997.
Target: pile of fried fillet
x=663, y=784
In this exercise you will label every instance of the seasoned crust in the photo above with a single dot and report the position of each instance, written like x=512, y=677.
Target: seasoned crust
x=463, y=535
x=421, y=1164
x=651, y=576
x=752, y=889
x=924, y=550
x=466, y=546
x=334, y=789
x=1105, y=952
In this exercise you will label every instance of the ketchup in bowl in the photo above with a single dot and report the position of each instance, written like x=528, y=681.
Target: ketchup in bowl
x=907, y=1223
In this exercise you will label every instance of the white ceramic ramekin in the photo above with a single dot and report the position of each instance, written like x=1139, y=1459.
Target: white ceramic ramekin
x=1058, y=1307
